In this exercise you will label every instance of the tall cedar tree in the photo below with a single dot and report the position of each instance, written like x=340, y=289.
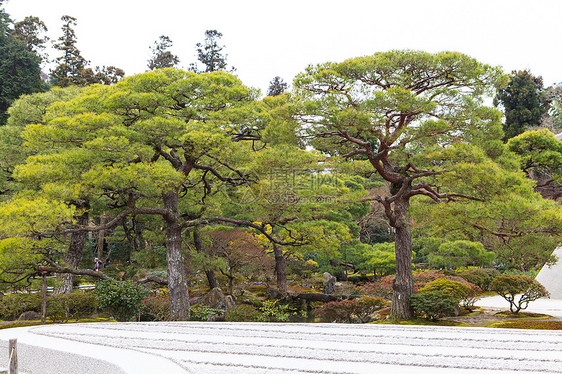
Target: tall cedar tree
x=161, y=56
x=209, y=53
x=71, y=64
x=523, y=101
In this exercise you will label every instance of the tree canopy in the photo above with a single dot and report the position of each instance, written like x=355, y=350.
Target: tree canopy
x=415, y=118
x=161, y=56
x=523, y=101
x=19, y=68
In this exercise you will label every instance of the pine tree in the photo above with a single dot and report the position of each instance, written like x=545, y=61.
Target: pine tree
x=71, y=64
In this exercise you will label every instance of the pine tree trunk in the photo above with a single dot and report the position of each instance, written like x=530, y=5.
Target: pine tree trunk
x=72, y=257
x=403, y=285
x=280, y=270
x=177, y=279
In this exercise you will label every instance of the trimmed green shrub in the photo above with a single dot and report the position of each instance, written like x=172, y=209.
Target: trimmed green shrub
x=434, y=304
x=457, y=289
x=74, y=305
x=205, y=313
x=509, y=286
x=123, y=299
x=467, y=295
x=12, y=305
x=272, y=311
x=480, y=277
x=242, y=313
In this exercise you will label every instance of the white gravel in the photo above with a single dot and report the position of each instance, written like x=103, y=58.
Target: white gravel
x=251, y=348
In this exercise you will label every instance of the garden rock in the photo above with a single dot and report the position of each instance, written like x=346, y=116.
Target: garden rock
x=215, y=299
x=29, y=316
x=330, y=283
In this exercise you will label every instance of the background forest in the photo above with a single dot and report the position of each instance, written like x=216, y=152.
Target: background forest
x=379, y=170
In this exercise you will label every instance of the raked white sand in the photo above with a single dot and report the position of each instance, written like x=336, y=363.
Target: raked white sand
x=251, y=348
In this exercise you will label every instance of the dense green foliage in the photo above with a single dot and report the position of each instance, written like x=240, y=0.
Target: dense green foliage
x=243, y=313
x=540, y=152
x=523, y=101
x=189, y=174
x=122, y=298
x=74, y=305
x=12, y=305
x=480, y=277
x=434, y=304
x=467, y=295
x=19, y=69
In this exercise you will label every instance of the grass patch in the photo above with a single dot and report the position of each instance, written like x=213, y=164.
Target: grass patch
x=12, y=324
x=19, y=324
x=420, y=321
x=526, y=315
x=528, y=325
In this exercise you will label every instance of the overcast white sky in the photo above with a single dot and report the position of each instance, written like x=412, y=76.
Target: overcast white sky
x=268, y=38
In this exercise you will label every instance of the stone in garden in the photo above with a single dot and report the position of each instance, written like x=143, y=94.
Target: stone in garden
x=29, y=316
x=330, y=283
x=215, y=299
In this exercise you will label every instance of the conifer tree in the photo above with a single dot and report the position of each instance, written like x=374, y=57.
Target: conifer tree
x=71, y=64
x=161, y=56
x=277, y=86
x=210, y=54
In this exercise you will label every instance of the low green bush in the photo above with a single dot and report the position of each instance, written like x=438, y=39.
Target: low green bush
x=123, y=299
x=12, y=305
x=242, y=313
x=273, y=311
x=74, y=305
x=457, y=289
x=465, y=294
x=434, y=304
x=205, y=313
